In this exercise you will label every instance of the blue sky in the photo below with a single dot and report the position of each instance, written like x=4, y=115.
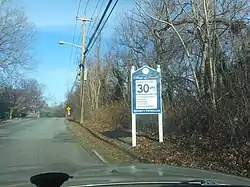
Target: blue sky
x=55, y=20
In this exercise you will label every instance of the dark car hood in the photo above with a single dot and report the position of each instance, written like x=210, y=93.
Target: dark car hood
x=106, y=173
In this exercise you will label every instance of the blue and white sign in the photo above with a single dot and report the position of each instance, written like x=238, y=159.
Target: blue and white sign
x=146, y=96
x=146, y=91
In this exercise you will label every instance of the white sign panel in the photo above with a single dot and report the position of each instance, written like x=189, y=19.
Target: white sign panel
x=146, y=94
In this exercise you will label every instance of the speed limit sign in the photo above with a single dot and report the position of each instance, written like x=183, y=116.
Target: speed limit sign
x=146, y=91
x=146, y=96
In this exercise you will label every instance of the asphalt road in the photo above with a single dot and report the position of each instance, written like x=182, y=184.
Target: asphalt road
x=29, y=147
x=44, y=144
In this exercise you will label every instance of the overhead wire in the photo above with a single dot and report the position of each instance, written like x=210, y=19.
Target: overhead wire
x=98, y=26
x=78, y=42
x=71, y=52
x=79, y=39
x=77, y=14
x=74, y=35
x=72, y=88
x=93, y=39
x=86, y=7
x=95, y=8
x=79, y=6
x=87, y=50
x=97, y=16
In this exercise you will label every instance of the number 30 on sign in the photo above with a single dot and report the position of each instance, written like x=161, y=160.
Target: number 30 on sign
x=146, y=86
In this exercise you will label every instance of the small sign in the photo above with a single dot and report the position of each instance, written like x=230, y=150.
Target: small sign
x=68, y=108
x=146, y=91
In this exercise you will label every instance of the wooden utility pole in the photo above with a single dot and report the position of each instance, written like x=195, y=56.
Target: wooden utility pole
x=83, y=67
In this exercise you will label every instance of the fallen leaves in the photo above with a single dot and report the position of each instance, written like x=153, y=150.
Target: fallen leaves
x=174, y=151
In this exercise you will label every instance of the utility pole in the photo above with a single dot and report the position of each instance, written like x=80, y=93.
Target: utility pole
x=82, y=66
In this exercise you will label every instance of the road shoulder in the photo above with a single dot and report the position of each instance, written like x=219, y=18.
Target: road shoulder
x=111, y=151
x=114, y=145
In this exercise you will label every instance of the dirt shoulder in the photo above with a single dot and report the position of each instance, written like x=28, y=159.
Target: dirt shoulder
x=111, y=150
x=114, y=145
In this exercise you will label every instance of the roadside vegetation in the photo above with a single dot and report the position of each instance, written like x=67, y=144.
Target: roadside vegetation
x=18, y=95
x=56, y=110
x=203, y=48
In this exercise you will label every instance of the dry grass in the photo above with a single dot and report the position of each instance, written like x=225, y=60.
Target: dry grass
x=111, y=150
x=103, y=133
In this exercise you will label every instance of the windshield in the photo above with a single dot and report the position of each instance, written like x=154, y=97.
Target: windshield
x=154, y=89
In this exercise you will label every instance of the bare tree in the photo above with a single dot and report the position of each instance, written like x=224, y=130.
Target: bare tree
x=22, y=96
x=201, y=46
x=16, y=36
x=204, y=23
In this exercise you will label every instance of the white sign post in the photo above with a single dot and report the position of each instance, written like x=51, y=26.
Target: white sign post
x=146, y=96
x=133, y=115
x=160, y=114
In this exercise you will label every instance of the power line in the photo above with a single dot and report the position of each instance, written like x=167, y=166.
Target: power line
x=79, y=39
x=89, y=29
x=72, y=88
x=78, y=9
x=97, y=28
x=95, y=8
x=86, y=7
x=87, y=51
x=77, y=13
x=103, y=15
x=71, y=53
x=75, y=81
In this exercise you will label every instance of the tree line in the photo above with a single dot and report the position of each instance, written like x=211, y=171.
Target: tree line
x=57, y=110
x=203, y=47
x=18, y=95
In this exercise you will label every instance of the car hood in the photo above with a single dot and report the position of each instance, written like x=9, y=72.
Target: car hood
x=106, y=173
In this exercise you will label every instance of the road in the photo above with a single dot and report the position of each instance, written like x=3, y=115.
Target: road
x=44, y=144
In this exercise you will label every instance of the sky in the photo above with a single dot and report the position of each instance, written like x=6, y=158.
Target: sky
x=54, y=20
